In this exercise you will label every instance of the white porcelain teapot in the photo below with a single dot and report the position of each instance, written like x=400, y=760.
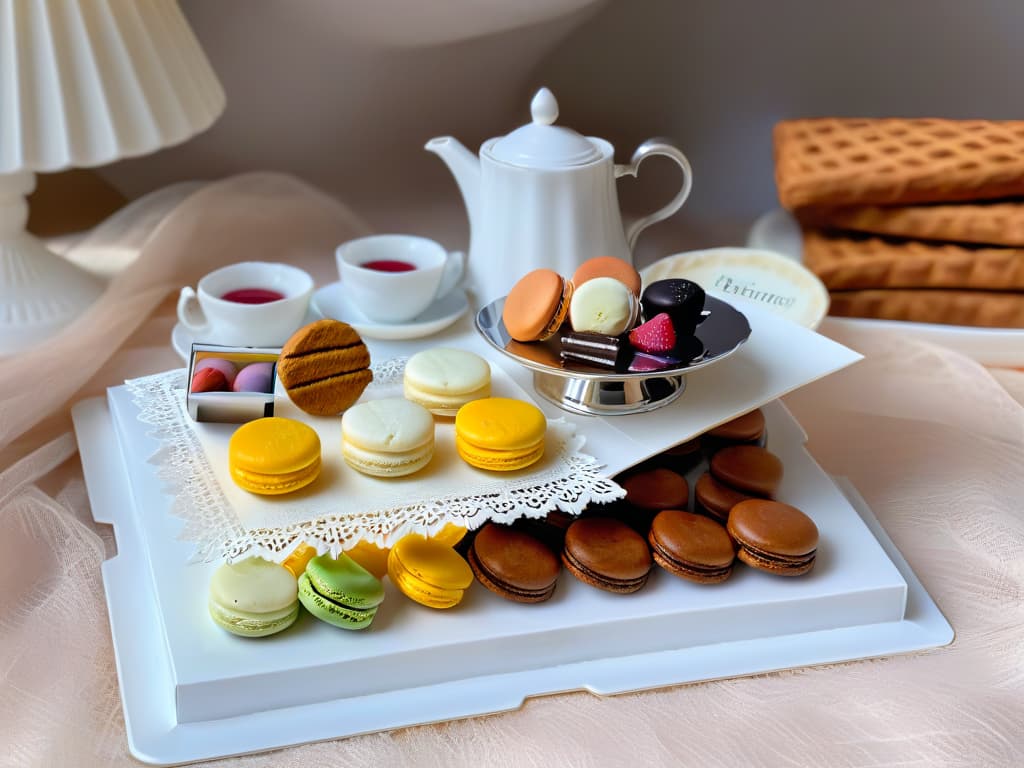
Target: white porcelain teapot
x=544, y=196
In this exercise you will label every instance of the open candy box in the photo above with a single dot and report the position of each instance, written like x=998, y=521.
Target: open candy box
x=192, y=691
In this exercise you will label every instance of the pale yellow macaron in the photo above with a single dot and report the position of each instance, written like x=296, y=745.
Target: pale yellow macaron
x=500, y=433
x=274, y=455
x=443, y=379
x=390, y=437
x=253, y=598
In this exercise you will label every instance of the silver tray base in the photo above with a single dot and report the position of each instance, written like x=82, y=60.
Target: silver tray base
x=608, y=396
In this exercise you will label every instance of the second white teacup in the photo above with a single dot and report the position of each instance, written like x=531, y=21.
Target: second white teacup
x=248, y=304
x=394, y=278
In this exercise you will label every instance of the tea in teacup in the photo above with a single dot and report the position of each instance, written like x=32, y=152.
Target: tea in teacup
x=252, y=295
x=388, y=265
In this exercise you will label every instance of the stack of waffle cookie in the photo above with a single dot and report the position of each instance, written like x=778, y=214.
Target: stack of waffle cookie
x=919, y=220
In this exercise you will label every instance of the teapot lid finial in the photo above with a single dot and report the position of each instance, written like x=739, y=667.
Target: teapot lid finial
x=540, y=144
x=544, y=108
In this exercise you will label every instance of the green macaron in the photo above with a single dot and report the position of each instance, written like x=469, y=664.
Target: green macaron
x=253, y=597
x=340, y=591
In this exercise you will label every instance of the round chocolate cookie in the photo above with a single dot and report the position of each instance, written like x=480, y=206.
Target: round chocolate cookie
x=513, y=564
x=748, y=468
x=691, y=546
x=682, y=300
x=607, y=554
x=324, y=366
x=774, y=537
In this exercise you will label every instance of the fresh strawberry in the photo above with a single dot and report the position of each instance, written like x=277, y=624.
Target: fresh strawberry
x=656, y=335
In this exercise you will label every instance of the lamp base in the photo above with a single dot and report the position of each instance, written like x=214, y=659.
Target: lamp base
x=40, y=293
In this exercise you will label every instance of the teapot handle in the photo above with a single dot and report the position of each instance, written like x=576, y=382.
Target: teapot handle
x=647, y=149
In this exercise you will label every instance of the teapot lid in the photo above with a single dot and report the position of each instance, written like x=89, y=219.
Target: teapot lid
x=542, y=145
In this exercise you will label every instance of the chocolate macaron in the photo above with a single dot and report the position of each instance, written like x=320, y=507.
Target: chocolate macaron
x=714, y=499
x=607, y=554
x=691, y=546
x=774, y=537
x=324, y=366
x=537, y=305
x=656, y=489
x=513, y=564
x=748, y=468
x=679, y=458
x=747, y=429
x=649, y=490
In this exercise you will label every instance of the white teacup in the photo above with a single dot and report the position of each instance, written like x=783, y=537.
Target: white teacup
x=394, y=278
x=249, y=304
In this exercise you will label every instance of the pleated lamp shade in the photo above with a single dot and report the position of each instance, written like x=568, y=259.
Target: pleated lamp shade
x=84, y=83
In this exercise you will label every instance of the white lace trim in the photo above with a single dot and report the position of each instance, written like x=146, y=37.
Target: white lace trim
x=568, y=484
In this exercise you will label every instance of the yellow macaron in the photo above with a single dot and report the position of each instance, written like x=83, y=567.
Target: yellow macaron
x=371, y=557
x=429, y=572
x=274, y=455
x=298, y=558
x=450, y=535
x=500, y=433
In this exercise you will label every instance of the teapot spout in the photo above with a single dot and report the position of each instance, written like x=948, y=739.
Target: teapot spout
x=465, y=167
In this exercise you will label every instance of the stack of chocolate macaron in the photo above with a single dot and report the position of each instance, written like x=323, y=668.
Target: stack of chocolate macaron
x=601, y=318
x=730, y=514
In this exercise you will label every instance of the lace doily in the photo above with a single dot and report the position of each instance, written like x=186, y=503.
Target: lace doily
x=570, y=481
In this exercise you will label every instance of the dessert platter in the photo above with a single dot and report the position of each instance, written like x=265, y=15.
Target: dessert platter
x=193, y=691
x=321, y=535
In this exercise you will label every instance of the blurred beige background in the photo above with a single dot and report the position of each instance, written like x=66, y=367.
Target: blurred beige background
x=344, y=93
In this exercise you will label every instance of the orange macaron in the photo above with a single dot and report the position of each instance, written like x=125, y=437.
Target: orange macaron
x=608, y=266
x=536, y=306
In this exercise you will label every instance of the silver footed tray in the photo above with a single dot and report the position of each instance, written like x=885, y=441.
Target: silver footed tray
x=598, y=391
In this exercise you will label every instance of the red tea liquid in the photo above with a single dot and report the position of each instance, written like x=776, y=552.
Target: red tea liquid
x=252, y=296
x=388, y=265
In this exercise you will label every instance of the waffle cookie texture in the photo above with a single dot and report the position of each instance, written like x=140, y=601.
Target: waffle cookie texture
x=910, y=219
x=983, y=223
x=985, y=309
x=850, y=161
x=845, y=263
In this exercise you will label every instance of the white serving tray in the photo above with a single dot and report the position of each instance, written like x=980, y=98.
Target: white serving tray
x=218, y=695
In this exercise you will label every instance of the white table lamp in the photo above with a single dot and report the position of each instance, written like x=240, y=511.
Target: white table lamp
x=83, y=83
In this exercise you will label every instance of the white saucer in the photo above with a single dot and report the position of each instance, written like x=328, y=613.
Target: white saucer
x=331, y=301
x=181, y=340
